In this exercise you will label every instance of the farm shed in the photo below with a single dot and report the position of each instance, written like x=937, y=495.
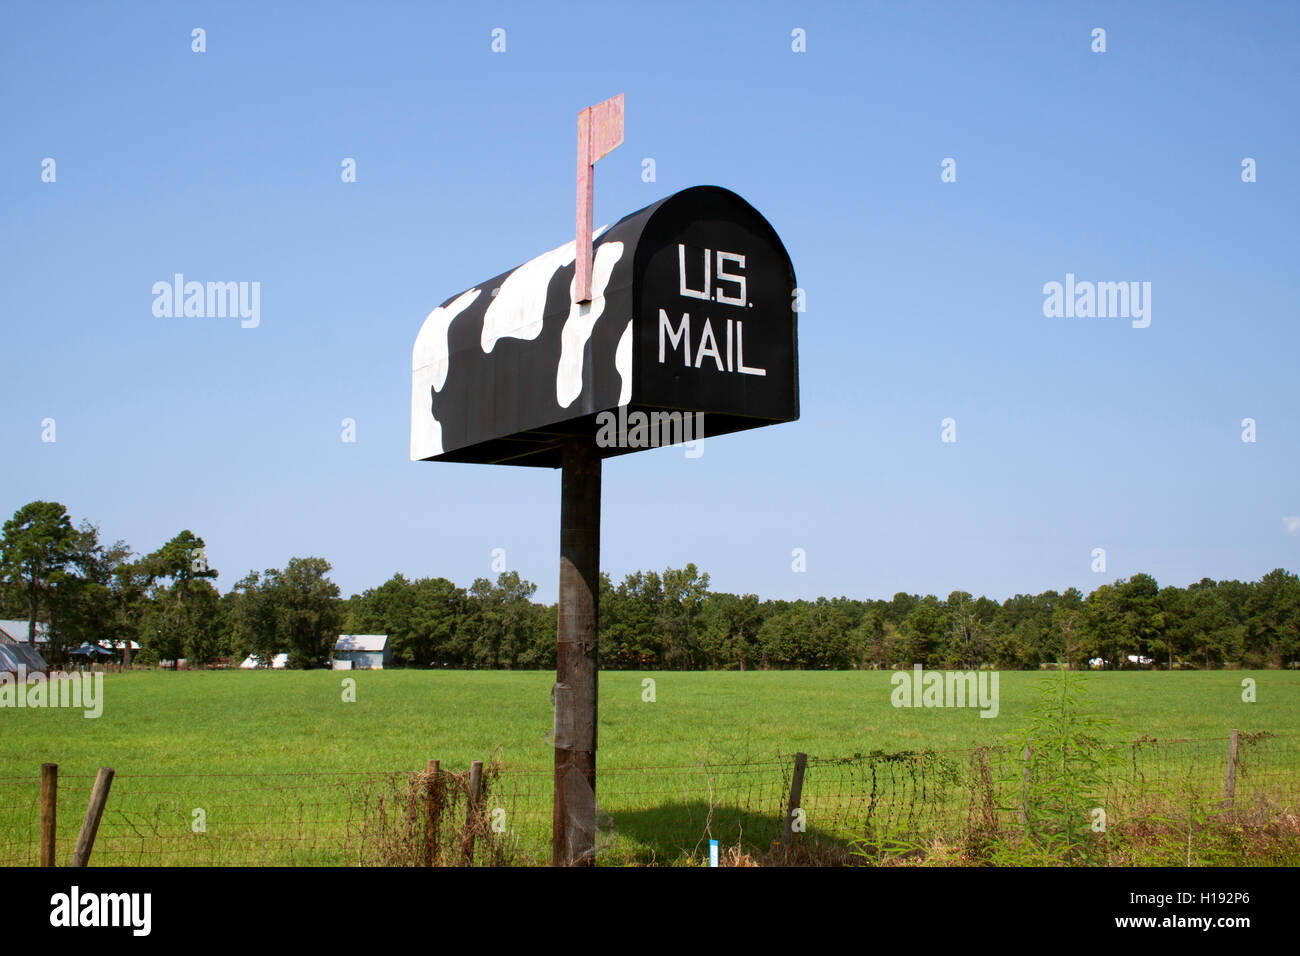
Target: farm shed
x=119, y=646
x=16, y=653
x=16, y=631
x=279, y=662
x=91, y=651
x=118, y=650
x=15, y=657
x=364, y=651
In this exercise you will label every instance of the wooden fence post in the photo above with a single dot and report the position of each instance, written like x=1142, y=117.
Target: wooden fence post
x=94, y=810
x=471, y=812
x=49, y=811
x=796, y=797
x=1230, y=781
x=432, y=806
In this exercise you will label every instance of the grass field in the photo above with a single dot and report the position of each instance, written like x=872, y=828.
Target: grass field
x=287, y=721
x=263, y=724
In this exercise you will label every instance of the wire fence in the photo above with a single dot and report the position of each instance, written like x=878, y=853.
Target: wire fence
x=883, y=805
x=856, y=808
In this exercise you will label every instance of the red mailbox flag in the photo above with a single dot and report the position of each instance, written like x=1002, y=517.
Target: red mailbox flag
x=600, y=129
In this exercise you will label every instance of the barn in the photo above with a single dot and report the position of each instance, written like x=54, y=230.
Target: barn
x=16, y=654
x=363, y=651
x=279, y=662
x=21, y=659
x=16, y=632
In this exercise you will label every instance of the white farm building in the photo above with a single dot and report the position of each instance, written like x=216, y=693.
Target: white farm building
x=363, y=651
x=279, y=662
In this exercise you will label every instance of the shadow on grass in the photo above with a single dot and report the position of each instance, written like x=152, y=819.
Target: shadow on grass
x=679, y=833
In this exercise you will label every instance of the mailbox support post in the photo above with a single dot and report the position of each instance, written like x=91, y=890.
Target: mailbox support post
x=576, y=671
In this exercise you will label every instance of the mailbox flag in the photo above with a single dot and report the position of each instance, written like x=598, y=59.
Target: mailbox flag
x=600, y=130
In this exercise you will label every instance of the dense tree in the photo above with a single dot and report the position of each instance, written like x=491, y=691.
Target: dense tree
x=1273, y=619
x=36, y=546
x=503, y=619
x=874, y=636
x=923, y=632
x=1141, y=622
x=182, y=618
x=250, y=612
x=84, y=590
x=676, y=625
x=84, y=603
x=296, y=612
x=628, y=616
x=306, y=610
x=970, y=629
x=728, y=626
x=1066, y=630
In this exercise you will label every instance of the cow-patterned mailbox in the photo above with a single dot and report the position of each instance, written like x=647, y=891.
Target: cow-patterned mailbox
x=692, y=311
x=675, y=322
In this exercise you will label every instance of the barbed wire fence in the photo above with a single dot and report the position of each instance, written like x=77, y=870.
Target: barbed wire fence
x=864, y=808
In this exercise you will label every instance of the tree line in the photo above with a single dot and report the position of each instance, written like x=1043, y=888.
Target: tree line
x=85, y=590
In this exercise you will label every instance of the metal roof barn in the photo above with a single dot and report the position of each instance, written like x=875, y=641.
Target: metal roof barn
x=19, y=657
x=364, y=651
x=89, y=650
x=17, y=631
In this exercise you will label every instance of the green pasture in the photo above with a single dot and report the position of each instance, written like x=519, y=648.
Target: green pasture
x=202, y=721
x=235, y=742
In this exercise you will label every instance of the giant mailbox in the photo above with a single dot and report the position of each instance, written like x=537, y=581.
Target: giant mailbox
x=691, y=312
x=676, y=322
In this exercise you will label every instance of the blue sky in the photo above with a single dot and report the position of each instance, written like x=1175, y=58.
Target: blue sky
x=924, y=298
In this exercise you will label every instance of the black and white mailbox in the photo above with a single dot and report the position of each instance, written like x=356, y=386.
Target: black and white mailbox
x=675, y=323
x=692, y=313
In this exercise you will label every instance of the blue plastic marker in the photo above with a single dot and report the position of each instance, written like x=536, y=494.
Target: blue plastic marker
x=713, y=853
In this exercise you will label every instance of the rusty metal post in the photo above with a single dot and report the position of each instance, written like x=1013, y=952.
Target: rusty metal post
x=574, y=821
